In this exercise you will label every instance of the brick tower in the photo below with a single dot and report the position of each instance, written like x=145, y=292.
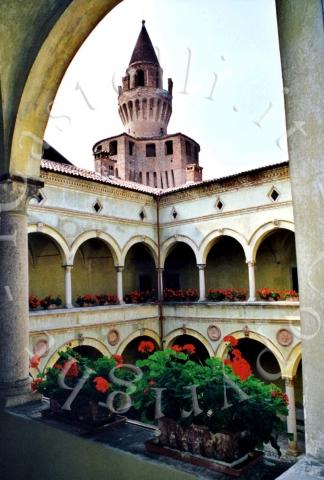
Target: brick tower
x=145, y=153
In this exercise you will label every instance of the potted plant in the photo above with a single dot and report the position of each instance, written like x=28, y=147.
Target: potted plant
x=48, y=302
x=70, y=369
x=223, y=426
x=87, y=300
x=34, y=302
x=290, y=295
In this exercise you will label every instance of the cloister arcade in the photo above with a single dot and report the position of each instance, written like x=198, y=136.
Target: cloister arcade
x=95, y=264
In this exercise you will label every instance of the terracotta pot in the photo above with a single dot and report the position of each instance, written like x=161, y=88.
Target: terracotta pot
x=197, y=439
x=90, y=413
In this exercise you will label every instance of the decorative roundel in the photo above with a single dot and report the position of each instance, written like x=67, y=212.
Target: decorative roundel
x=113, y=336
x=284, y=337
x=214, y=333
x=41, y=347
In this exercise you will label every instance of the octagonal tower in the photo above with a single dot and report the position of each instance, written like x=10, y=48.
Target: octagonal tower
x=144, y=106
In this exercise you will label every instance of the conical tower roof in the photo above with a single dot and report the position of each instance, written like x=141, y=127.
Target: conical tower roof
x=144, y=50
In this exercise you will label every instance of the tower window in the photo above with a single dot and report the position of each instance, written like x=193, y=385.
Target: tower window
x=98, y=148
x=131, y=148
x=155, y=179
x=150, y=150
x=140, y=177
x=169, y=147
x=147, y=178
x=113, y=148
x=188, y=148
x=195, y=153
x=140, y=78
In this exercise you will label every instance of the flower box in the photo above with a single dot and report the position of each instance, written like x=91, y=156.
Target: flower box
x=225, y=446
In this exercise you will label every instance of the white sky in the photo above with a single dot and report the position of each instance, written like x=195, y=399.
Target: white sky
x=241, y=126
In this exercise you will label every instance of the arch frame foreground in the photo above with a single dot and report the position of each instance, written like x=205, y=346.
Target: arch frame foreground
x=143, y=332
x=221, y=350
x=85, y=342
x=192, y=333
x=51, y=61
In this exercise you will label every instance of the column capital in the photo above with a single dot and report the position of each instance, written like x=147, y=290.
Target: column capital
x=16, y=191
x=201, y=266
x=119, y=268
x=289, y=382
x=251, y=263
x=160, y=269
x=68, y=267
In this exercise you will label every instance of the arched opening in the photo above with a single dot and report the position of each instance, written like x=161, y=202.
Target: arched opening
x=226, y=265
x=46, y=275
x=298, y=383
x=88, y=351
x=276, y=266
x=201, y=353
x=93, y=270
x=140, y=78
x=131, y=352
x=140, y=272
x=180, y=268
x=263, y=362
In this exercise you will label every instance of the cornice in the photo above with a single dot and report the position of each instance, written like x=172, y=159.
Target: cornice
x=231, y=213
x=225, y=185
x=89, y=186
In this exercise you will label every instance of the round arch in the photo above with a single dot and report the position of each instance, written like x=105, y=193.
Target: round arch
x=168, y=244
x=143, y=332
x=293, y=361
x=152, y=246
x=86, y=342
x=210, y=239
x=259, y=235
x=54, y=235
x=220, y=353
x=52, y=57
x=105, y=237
x=193, y=333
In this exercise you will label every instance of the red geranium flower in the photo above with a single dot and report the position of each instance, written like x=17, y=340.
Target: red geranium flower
x=176, y=348
x=146, y=347
x=35, y=383
x=231, y=339
x=152, y=382
x=119, y=359
x=241, y=368
x=189, y=348
x=34, y=361
x=237, y=353
x=101, y=384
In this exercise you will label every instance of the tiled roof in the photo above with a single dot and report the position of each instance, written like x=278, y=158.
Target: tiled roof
x=74, y=171
x=144, y=50
x=110, y=180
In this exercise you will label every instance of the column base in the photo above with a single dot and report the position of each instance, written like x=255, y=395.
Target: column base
x=252, y=299
x=18, y=393
x=202, y=300
x=69, y=306
x=293, y=450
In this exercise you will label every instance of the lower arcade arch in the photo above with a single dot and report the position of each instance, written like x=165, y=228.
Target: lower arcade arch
x=87, y=347
x=131, y=353
x=201, y=353
x=180, y=268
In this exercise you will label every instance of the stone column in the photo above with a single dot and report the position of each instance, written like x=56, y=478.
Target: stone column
x=68, y=286
x=160, y=283
x=14, y=323
x=302, y=58
x=119, y=283
x=252, y=293
x=291, y=419
x=202, y=282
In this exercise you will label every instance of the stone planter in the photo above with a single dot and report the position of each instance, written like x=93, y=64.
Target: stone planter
x=90, y=413
x=224, y=446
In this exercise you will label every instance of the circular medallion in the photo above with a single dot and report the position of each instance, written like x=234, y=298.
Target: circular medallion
x=41, y=347
x=214, y=333
x=113, y=336
x=284, y=337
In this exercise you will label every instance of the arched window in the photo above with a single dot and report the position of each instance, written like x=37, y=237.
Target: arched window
x=140, y=78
